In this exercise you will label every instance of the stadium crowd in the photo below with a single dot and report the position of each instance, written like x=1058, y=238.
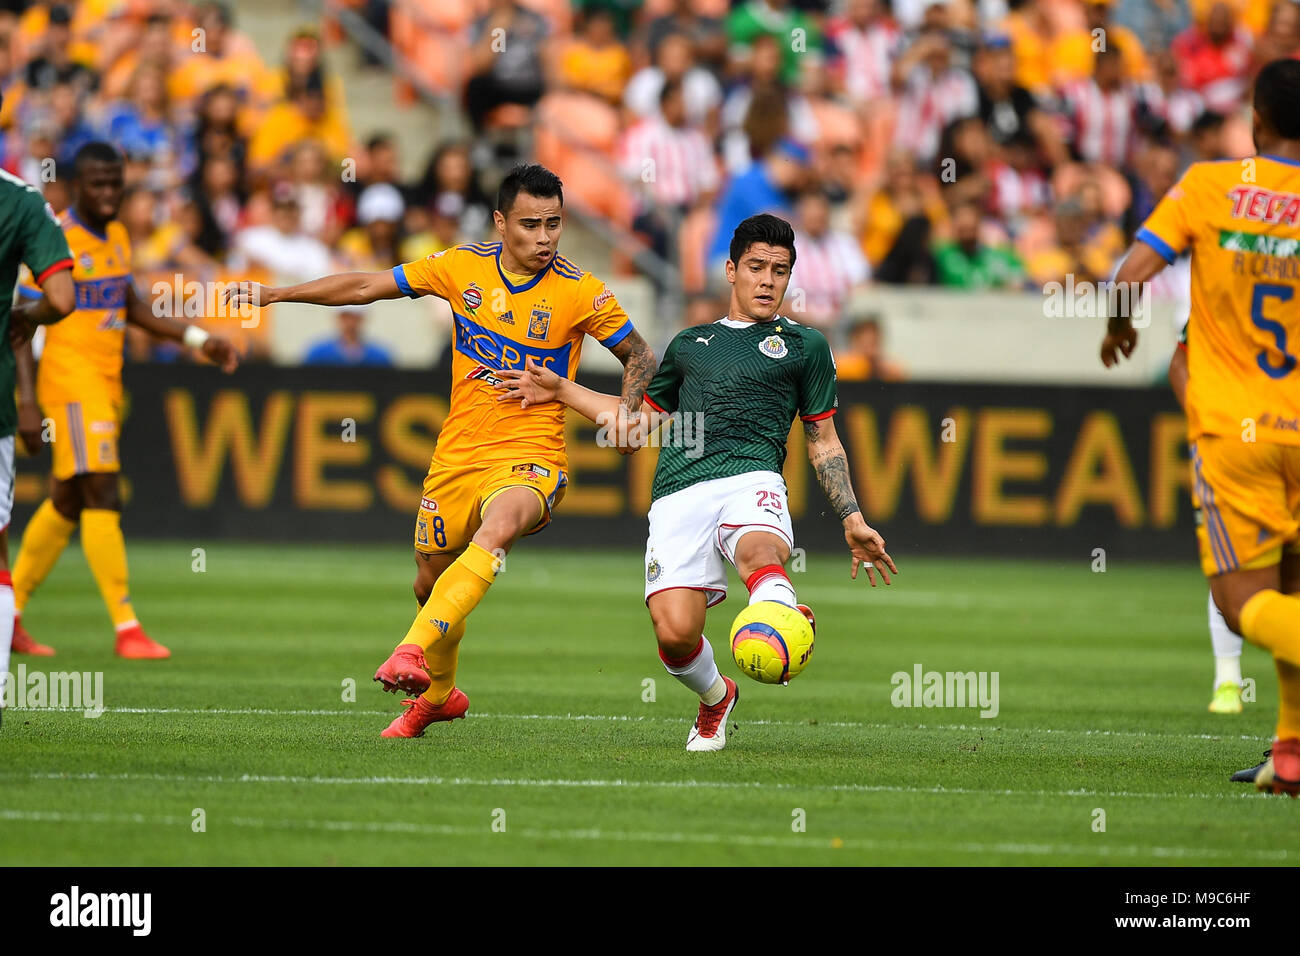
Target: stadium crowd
x=967, y=144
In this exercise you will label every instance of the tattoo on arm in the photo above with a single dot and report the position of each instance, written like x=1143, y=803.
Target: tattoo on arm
x=638, y=367
x=832, y=468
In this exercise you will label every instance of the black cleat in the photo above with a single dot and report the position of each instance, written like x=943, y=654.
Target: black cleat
x=1248, y=775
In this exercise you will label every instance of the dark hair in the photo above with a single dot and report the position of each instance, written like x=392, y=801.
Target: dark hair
x=762, y=228
x=1208, y=122
x=1277, y=91
x=379, y=139
x=531, y=178
x=96, y=151
x=670, y=88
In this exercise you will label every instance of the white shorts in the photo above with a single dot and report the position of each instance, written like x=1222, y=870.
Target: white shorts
x=6, y=481
x=693, y=532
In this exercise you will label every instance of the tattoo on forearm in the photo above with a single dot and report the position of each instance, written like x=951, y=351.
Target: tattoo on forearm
x=833, y=475
x=638, y=368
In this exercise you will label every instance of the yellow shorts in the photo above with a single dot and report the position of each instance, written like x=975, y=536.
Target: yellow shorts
x=1248, y=496
x=84, y=436
x=451, y=509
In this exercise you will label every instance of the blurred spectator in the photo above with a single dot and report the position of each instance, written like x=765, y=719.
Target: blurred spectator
x=215, y=131
x=319, y=192
x=55, y=65
x=706, y=34
x=863, y=359
x=1214, y=58
x=595, y=61
x=506, y=60
x=1086, y=254
x=670, y=164
x=1281, y=39
x=281, y=247
x=703, y=308
x=219, y=54
x=622, y=13
x=1102, y=112
x=301, y=117
x=898, y=221
x=381, y=164
x=796, y=35
x=932, y=93
x=1207, y=138
x=765, y=187
x=153, y=47
x=763, y=102
x=348, y=348
x=675, y=60
x=1169, y=107
x=1018, y=188
x=142, y=123
x=373, y=246
x=967, y=262
x=219, y=196
x=1103, y=29
x=864, y=43
x=829, y=266
x=1038, y=30
x=1008, y=109
x=1157, y=22
x=432, y=230
x=1157, y=169
x=450, y=171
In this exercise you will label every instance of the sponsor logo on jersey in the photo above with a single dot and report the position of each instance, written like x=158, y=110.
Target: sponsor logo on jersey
x=534, y=470
x=473, y=297
x=1264, y=205
x=601, y=299
x=428, y=504
x=499, y=351
x=483, y=373
x=87, y=262
x=652, y=570
x=103, y=428
x=700, y=338
x=539, y=323
x=773, y=347
x=106, y=293
x=506, y=318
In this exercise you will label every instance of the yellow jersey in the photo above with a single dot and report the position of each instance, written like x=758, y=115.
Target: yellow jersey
x=82, y=357
x=1241, y=221
x=498, y=324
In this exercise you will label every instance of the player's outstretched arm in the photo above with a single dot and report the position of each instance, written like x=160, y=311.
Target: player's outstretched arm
x=345, y=288
x=215, y=348
x=1140, y=265
x=832, y=467
x=534, y=384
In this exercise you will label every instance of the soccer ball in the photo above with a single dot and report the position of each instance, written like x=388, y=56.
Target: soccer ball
x=771, y=642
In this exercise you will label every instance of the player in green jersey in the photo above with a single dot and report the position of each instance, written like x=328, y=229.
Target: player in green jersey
x=726, y=394
x=29, y=235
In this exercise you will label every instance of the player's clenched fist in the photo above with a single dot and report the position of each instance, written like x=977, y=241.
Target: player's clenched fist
x=1118, y=343
x=221, y=352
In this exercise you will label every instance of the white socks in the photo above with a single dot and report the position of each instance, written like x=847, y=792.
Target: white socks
x=1227, y=648
x=699, y=672
x=6, y=630
x=771, y=584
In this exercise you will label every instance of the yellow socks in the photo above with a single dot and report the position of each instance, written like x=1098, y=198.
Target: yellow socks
x=1272, y=620
x=101, y=539
x=46, y=536
x=456, y=592
x=1288, y=700
x=441, y=657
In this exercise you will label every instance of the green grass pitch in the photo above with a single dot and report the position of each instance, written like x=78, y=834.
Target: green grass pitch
x=1103, y=683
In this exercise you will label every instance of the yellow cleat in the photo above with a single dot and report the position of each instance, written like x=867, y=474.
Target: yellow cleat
x=1227, y=699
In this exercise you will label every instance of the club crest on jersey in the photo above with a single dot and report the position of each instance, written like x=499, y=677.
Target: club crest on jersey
x=539, y=323
x=652, y=570
x=422, y=532
x=473, y=297
x=773, y=347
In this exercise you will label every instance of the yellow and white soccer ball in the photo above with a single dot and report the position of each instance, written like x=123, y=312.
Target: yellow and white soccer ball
x=771, y=642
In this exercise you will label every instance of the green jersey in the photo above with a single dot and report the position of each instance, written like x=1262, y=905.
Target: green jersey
x=733, y=390
x=29, y=234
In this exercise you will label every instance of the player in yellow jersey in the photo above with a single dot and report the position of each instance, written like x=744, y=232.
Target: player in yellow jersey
x=498, y=471
x=1241, y=221
x=79, y=391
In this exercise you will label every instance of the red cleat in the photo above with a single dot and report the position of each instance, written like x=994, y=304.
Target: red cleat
x=405, y=670
x=133, y=643
x=1280, y=773
x=807, y=612
x=24, y=643
x=419, y=714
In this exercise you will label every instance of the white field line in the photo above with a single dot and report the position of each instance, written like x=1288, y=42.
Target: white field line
x=604, y=784
x=644, y=836
x=628, y=718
